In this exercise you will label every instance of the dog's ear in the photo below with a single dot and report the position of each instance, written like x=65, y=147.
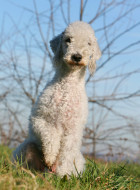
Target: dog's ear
x=94, y=57
x=55, y=43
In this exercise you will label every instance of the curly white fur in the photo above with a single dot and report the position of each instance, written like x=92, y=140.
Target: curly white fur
x=60, y=112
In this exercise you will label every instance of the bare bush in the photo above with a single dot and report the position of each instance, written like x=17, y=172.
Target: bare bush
x=25, y=56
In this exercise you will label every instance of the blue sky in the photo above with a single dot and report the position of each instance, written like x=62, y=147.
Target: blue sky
x=11, y=11
x=20, y=13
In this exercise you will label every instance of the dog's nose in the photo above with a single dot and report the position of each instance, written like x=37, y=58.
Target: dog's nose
x=76, y=57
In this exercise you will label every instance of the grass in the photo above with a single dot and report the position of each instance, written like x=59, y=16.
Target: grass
x=98, y=175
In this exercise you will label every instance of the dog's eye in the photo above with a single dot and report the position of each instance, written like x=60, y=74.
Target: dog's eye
x=89, y=43
x=68, y=40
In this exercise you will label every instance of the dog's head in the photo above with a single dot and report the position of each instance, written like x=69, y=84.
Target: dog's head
x=77, y=46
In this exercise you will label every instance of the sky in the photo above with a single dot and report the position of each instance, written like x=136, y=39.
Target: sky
x=20, y=13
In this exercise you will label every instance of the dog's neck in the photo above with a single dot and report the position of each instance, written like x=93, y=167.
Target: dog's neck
x=72, y=73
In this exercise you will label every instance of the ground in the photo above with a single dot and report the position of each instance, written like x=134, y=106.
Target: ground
x=98, y=175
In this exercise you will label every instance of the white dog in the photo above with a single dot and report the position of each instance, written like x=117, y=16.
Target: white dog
x=60, y=112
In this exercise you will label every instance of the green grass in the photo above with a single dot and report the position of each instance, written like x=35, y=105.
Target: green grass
x=98, y=175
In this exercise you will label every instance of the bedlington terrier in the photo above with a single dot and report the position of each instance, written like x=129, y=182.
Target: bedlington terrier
x=59, y=115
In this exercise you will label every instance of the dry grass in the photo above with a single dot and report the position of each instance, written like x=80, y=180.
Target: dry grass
x=99, y=176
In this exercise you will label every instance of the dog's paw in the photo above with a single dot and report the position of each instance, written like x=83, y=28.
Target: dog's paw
x=50, y=160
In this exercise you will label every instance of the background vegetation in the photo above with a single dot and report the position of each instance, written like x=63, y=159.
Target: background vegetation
x=113, y=126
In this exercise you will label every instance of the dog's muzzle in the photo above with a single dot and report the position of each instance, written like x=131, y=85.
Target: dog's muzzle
x=76, y=58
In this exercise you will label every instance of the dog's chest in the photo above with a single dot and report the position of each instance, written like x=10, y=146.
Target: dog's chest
x=65, y=104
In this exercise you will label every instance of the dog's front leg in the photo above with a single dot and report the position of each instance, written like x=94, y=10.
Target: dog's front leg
x=70, y=160
x=50, y=137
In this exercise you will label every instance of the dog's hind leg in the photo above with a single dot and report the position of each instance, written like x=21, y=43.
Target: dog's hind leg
x=29, y=156
x=34, y=158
